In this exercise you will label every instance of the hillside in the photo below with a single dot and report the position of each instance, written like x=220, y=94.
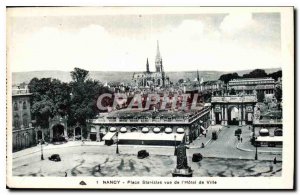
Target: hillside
x=19, y=77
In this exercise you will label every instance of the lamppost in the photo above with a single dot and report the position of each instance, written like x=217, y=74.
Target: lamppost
x=117, y=149
x=175, y=152
x=255, y=149
x=42, y=155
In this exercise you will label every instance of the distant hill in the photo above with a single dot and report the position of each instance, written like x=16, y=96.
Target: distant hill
x=108, y=76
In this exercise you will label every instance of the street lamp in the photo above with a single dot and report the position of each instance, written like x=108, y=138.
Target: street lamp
x=175, y=152
x=117, y=135
x=42, y=155
x=255, y=150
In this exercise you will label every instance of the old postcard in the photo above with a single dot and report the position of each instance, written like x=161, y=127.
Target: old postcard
x=150, y=97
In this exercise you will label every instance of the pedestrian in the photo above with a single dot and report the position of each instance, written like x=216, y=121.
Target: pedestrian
x=202, y=145
x=66, y=174
x=275, y=160
x=205, y=134
x=241, y=139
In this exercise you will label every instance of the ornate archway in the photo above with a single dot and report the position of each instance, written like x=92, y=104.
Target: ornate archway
x=58, y=133
x=77, y=133
x=233, y=115
x=232, y=110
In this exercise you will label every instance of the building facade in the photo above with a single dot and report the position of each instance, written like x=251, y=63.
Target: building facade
x=149, y=128
x=253, y=85
x=24, y=134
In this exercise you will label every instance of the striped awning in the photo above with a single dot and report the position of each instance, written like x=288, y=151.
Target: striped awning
x=113, y=129
x=109, y=135
x=180, y=130
x=264, y=131
x=156, y=130
x=145, y=130
x=168, y=130
x=123, y=130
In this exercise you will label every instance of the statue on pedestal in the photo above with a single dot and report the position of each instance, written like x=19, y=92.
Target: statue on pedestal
x=182, y=169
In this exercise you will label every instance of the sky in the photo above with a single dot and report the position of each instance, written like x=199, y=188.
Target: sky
x=122, y=42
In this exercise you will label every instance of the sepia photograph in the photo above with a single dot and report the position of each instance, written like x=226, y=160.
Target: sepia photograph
x=150, y=97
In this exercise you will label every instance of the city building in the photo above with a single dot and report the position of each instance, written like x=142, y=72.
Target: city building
x=216, y=86
x=253, y=85
x=149, y=127
x=24, y=135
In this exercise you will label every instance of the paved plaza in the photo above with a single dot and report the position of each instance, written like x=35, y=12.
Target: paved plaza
x=226, y=156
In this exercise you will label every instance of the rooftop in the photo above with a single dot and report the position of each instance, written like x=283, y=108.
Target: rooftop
x=20, y=92
x=150, y=116
x=252, y=79
x=234, y=98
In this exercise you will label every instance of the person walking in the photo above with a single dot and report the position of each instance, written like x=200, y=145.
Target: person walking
x=275, y=160
x=241, y=139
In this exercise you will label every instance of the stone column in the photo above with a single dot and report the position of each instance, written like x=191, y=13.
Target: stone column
x=74, y=134
x=222, y=115
x=51, y=133
x=65, y=130
x=212, y=116
x=226, y=117
x=98, y=134
x=36, y=135
x=244, y=115
x=240, y=115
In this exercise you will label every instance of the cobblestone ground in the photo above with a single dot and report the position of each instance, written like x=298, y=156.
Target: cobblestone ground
x=84, y=161
x=221, y=158
x=228, y=146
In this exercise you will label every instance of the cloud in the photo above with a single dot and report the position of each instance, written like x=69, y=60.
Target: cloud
x=189, y=45
x=236, y=22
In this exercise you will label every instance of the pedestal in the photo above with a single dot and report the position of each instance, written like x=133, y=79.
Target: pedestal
x=188, y=172
x=243, y=123
x=225, y=123
x=240, y=123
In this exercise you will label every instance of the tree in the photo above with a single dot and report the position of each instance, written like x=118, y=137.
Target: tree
x=276, y=75
x=232, y=91
x=85, y=93
x=257, y=73
x=260, y=96
x=278, y=94
x=79, y=75
x=49, y=97
x=228, y=77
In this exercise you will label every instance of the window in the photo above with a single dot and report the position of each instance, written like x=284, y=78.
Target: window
x=24, y=106
x=16, y=122
x=15, y=106
x=25, y=120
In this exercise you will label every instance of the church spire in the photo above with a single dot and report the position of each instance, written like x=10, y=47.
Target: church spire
x=147, y=66
x=157, y=51
x=158, y=59
x=198, y=77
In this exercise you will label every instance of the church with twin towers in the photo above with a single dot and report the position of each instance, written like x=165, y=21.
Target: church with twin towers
x=148, y=79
